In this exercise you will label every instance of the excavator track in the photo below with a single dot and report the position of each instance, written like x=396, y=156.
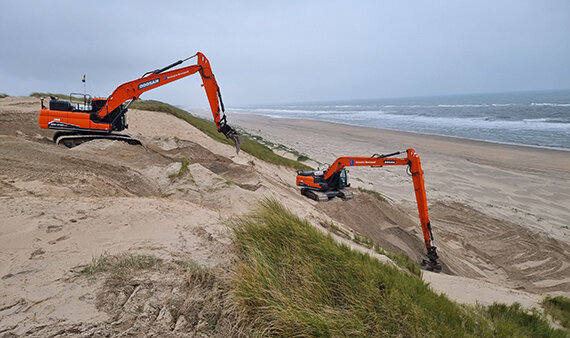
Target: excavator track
x=71, y=140
x=345, y=194
x=315, y=195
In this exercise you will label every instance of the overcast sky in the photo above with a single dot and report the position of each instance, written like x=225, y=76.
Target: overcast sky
x=266, y=52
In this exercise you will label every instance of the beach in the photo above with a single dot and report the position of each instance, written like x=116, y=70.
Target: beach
x=508, y=204
x=499, y=214
x=525, y=185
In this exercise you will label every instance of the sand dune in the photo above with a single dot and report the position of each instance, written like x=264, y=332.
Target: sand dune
x=499, y=213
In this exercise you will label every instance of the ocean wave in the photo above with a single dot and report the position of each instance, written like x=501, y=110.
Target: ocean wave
x=547, y=104
x=504, y=104
x=537, y=120
x=462, y=105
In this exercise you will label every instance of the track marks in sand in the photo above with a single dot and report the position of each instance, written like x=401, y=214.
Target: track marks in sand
x=471, y=244
x=500, y=249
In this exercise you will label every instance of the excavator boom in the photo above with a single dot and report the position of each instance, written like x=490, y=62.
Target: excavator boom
x=322, y=185
x=108, y=115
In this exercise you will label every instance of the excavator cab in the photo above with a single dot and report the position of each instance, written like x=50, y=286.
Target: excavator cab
x=338, y=180
x=97, y=103
x=343, y=179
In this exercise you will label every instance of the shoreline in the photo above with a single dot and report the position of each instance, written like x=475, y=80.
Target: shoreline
x=250, y=120
x=411, y=132
x=202, y=112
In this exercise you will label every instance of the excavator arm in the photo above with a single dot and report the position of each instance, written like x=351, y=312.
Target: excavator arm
x=325, y=181
x=133, y=89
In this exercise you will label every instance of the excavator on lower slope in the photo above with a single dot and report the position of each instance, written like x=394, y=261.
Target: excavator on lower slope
x=102, y=117
x=332, y=182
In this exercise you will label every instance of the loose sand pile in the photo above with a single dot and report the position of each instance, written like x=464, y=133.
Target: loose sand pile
x=63, y=207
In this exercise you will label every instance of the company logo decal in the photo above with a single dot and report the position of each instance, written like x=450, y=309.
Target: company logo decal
x=176, y=75
x=149, y=83
x=351, y=162
x=57, y=124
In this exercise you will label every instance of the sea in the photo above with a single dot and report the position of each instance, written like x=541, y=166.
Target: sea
x=537, y=119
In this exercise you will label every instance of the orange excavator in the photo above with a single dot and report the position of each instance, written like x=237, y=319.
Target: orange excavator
x=324, y=185
x=102, y=117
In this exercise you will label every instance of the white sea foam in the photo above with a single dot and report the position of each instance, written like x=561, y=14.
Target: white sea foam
x=537, y=120
x=461, y=105
x=546, y=104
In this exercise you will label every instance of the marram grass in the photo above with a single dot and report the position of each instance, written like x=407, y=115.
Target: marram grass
x=291, y=280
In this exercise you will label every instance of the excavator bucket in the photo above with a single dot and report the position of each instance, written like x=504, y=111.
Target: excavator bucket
x=430, y=265
x=234, y=136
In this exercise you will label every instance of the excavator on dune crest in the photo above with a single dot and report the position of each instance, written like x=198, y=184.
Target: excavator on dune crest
x=332, y=182
x=100, y=118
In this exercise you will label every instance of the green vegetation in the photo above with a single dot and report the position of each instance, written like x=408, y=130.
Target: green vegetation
x=331, y=226
x=513, y=321
x=559, y=309
x=376, y=194
x=119, y=266
x=2, y=95
x=47, y=95
x=184, y=167
x=278, y=146
x=195, y=272
x=363, y=240
x=249, y=145
x=292, y=280
x=401, y=260
x=184, y=170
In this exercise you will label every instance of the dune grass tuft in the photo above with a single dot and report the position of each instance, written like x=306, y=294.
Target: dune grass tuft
x=559, y=309
x=514, y=321
x=119, y=266
x=293, y=280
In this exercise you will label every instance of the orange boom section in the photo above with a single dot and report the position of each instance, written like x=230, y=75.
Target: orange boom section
x=332, y=182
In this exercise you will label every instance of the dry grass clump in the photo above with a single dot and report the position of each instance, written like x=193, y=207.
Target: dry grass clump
x=119, y=266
